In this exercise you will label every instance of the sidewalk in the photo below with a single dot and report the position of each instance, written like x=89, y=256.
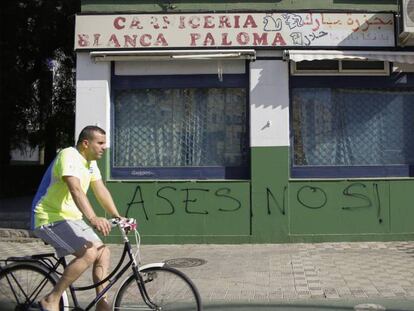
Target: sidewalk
x=325, y=276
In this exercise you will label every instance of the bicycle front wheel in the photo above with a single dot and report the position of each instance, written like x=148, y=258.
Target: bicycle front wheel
x=22, y=285
x=167, y=288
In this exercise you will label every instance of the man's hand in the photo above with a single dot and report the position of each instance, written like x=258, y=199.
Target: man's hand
x=101, y=224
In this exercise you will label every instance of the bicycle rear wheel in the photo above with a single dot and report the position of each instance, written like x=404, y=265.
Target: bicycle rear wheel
x=168, y=288
x=23, y=284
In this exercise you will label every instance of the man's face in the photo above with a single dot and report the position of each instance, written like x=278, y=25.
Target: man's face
x=96, y=146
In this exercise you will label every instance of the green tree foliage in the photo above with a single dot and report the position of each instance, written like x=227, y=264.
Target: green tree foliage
x=37, y=75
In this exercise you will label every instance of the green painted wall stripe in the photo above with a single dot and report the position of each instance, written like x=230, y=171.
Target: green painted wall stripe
x=269, y=208
x=110, y=6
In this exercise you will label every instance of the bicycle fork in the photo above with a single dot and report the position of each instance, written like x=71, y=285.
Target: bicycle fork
x=141, y=286
x=138, y=278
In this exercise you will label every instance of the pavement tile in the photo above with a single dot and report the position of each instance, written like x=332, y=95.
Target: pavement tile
x=280, y=272
x=330, y=293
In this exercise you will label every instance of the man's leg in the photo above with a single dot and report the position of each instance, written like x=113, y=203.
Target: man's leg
x=100, y=271
x=84, y=259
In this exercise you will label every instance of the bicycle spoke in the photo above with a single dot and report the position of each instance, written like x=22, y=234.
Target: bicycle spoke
x=12, y=286
x=21, y=286
x=167, y=289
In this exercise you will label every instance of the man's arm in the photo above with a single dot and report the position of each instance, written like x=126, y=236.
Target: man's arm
x=104, y=197
x=82, y=202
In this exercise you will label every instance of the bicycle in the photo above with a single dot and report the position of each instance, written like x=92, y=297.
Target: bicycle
x=156, y=286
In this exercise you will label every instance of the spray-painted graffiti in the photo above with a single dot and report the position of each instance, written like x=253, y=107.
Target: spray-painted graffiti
x=280, y=207
x=293, y=20
x=310, y=197
x=349, y=191
x=315, y=198
x=189, y=203
x=271, y=23
x=323, y=199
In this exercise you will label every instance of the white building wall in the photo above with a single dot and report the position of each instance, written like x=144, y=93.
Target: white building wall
x=179, y=67
x=269, y=98
x=92, y=94
x=269, y=103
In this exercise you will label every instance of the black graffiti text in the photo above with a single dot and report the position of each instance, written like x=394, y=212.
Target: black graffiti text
x=191, y=202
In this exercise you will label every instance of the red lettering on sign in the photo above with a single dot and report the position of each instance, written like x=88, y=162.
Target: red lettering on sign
x=224, y=22
x=136, y=23
x=132, y=41
x=181, y=25
x=208, y=23
x=249, y=22
x=209, y=40
x=215, y=22
x=194, y=38
x=259, y=39
x=278, y=39
x=225, y=40
x=161, y=40
x=194, y=22
x=236, y=21
x=154, y=22
x=237, y=39
x=113, y=41
x=96, y=37
x=83, y=40
x=243, y=38
x=117, y=22
x=166, y=22
x=143, y=40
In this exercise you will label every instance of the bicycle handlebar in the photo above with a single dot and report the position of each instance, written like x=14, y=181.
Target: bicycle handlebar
x=127, y=224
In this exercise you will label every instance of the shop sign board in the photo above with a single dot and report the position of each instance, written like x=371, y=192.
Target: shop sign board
x=222, y=30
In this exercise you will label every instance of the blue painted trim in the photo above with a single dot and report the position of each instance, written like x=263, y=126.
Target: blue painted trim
x=352, y=171
x=180, y=81
x=399, y=80
x=181, y=173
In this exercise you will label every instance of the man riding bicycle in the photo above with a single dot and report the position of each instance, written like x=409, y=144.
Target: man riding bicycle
x=60, y=205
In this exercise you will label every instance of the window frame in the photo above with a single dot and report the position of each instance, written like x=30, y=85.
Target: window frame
x=127, y=82
x=341, y=71
x=396, y=80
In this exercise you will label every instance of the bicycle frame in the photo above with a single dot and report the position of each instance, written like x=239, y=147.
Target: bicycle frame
x=52, y=263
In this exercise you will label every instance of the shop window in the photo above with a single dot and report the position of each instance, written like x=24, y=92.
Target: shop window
x=180, y=127
x=340, y=67
x=351, y=131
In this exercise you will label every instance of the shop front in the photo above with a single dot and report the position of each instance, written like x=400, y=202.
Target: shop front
x=252, y=127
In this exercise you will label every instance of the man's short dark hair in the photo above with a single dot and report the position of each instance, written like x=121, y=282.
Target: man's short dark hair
x=88, y=133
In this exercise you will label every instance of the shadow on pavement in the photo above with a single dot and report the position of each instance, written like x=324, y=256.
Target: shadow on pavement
x=274, y=307
x=298, y=307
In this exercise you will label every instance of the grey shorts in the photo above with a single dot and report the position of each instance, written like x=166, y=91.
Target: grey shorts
x=67, y=236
